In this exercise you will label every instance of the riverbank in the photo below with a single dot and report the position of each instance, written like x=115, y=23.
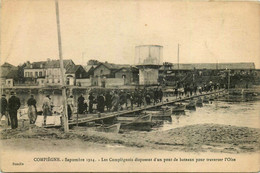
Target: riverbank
x=194, y=138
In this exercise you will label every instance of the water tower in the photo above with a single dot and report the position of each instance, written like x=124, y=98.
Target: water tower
x=148, y=59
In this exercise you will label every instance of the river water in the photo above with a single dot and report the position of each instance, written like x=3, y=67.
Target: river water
x=219, y=112
x=246, y=114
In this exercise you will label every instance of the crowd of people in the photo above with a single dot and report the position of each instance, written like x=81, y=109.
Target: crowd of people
x=117, y=100
x=97, y=101
x=9, y=109
x=193, y=89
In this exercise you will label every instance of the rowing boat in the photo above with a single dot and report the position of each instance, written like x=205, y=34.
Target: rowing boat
x=199, y=102
x=110, y=129
x=191, y=105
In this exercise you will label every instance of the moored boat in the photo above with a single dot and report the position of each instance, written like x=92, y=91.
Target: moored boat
x=178, y=108
x=199, y=102
x=163, y=114
x=205, y=99
x=211, y=98
x=110, y=129
x=191, y=105
x=140, y=123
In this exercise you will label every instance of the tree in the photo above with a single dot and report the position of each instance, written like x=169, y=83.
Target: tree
x=93, y=62
x=20, y=71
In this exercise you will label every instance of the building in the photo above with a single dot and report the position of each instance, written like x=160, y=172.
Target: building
x=148, y=59
x=75, y=72
x=208, y=68
x=35, y=69
x=46, y=72
x=129, y=74
x=35, y=73
x=108, y=74
x=11, y=78
x=107, y=69
x=53, y=73
x=174, y=74
x=90, y=70
x=5, y=71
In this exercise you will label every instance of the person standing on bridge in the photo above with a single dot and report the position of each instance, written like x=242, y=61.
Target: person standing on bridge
x=200, y=89
x=81, y=104
x=100, y=103
x=3, y=109
x=135, y=96
x=190, y=89
x=176, y=92
x=32, y=110
x=139, y=98
x=147, y=98
x=156, y=95
x=13, y=105
x=108, y=101
x=160, y=94
x=91, y=101
x=115, y=101
x=70, y=107
x=130, y=97
x=46, y=108
x=195, y=89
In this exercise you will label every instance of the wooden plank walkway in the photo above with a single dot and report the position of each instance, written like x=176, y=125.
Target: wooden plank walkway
x=102, y=116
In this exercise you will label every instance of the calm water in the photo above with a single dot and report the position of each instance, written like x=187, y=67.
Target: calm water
x=219, y=112
x=228, y=113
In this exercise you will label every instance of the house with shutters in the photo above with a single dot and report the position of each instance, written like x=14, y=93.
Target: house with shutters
x=53, y=73
x=46, y=72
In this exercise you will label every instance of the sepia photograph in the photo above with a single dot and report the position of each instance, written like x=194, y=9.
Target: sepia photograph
x=129, y=86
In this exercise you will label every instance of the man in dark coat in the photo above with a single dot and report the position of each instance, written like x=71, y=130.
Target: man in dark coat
x=160, y=95
x=108, y=100
x=156, y=96
x=81, y=104
x=100, y=103
x=32, y=110
x=3, y=109
x=13, y=105
x=91, y=101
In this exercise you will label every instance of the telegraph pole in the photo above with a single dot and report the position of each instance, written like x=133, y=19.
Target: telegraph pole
x=65, y=112
x=228, y=79
x=178, y=57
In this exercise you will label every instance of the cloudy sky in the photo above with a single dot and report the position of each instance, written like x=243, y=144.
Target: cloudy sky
x=109, y=30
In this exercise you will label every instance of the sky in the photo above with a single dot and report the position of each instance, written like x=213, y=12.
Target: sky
x=208, y=32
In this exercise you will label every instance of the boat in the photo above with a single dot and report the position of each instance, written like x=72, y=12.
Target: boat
x=211, y=98
x=199, y=103
x=163, y=114
x=178, y=108
x=140, y=123
x=110, y=129
x=191, y=105
x=205, y=100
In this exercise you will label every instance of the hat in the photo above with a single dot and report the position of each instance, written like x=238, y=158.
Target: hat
x=3, y=95
x=12, y=93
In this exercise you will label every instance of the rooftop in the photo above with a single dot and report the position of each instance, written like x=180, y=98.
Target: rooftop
x=213, y=66
x=47, y=64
